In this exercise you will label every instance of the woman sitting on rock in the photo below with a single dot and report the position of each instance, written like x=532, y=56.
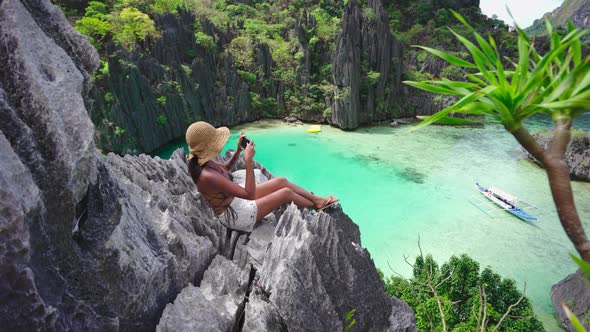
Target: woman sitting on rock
x=239, y=206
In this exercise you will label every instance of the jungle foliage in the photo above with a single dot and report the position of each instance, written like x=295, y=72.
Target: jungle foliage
x=130, y=23
x=458, y=296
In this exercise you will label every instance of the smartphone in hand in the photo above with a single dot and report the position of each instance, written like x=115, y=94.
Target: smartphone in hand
x=244, y=142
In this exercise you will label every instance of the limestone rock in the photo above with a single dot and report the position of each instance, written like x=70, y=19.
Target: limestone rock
x=43, y=85
x=166, y=84
x=212, y=306
x=20, y=204
x=365, y=39
x=573, y=292
x=316, y=271
x=91, y=243
x=261, y=316
x=346, y=69
x=251, y=248
x=415, y=102
x=290, y=119
x=577, y=155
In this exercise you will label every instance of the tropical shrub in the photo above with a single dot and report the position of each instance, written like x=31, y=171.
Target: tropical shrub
x=131, y=26
x=166, y=6
x=453, y=297
x=95, y=23
x=205, y=41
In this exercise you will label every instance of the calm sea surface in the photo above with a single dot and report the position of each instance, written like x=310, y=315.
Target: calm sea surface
x=401, y=186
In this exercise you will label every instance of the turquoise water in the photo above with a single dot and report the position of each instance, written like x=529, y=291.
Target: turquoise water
x=401, y=186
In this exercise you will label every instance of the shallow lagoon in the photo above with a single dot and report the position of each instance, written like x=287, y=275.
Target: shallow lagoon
x=401, y=186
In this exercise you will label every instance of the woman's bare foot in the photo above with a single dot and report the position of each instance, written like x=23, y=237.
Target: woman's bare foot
x=323, y=202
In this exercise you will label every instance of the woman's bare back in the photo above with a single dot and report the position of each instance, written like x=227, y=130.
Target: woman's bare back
x=218, y=200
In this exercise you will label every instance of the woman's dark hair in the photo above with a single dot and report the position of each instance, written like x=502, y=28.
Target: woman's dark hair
x=194, y=170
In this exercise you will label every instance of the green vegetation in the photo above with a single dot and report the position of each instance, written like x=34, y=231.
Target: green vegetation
x=119, y=132
x=349, y=320
x=127, y=26
x=187, y=70
x=247, y=76
x=457, y=296
x=131, y=26
x=294, y=32
x=166, y=6
x=266, y=107
x=162, y=100
x=556, y=83
x=205, y=41
x=373, y=78
x=420, y=22
x=161, y=120
x=95, y=24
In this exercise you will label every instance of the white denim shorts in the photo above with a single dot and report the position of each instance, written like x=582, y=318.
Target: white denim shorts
x=246, y=211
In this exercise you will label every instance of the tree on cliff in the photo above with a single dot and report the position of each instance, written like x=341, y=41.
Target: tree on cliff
x=556, y=84
x=458, y=296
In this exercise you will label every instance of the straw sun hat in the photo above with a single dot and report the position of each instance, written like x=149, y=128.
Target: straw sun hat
x=204, y=141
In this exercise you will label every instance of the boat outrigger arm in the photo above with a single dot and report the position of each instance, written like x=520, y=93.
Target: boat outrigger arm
x=505, y=201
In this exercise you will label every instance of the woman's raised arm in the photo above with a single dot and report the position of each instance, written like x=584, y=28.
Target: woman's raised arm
x=230, y=163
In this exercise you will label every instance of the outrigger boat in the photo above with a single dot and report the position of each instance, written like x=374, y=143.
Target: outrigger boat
x=506, y=201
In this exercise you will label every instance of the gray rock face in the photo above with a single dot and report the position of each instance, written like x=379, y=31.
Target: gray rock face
x=316, y=271
x=261, y=316
x=416, y=102
x=573, y=292
x=367, y=58
x=159, y=90
x=577, y=155
x=578, y=12
x=104, y=243
x=313, y=272
x=211, y=307
x=88, y=242
x=20, y=202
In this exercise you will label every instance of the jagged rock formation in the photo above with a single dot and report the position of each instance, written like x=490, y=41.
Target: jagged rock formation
x=93, y=242
x=573, y=292
x=159, y=90
x=577, y=155
x=300, y=286
x=303, y=76
x=576, y=10
x=367, y=67
x=212, y=306
x=416, y=102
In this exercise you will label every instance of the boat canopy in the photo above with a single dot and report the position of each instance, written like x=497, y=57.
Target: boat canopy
x=502, y=194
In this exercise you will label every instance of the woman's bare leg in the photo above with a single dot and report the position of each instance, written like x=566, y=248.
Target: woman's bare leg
x=274, y=200
x=274, y=184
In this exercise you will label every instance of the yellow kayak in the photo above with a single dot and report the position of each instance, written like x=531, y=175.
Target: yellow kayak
x=314, y=129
